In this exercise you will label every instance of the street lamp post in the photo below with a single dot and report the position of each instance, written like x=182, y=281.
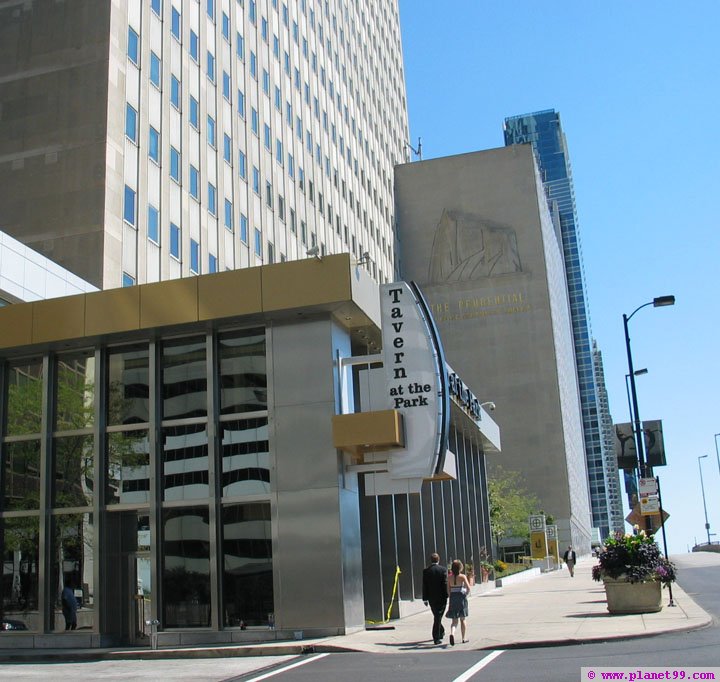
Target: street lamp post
x=717, y=454
x=702, y=488
x=637, y=428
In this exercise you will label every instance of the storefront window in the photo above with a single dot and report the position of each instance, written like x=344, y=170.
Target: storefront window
x=184, y=379
x=247, y=565
x=243, y=372
x=75, y=401
x=72, y=565
x=20, y=543
x=128, y=475
x=24, y=399
x=128, y=386
x=21, y=480
x=73, y=468
x=245, y=457
x=185, y=462
x=186, y=568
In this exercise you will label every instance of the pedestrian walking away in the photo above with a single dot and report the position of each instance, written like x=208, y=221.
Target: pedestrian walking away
x=458, y=592
x=569, y=558
x=435, y=594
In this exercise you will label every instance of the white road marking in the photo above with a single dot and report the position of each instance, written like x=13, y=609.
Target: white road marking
x=287, y=667
x=478, y=666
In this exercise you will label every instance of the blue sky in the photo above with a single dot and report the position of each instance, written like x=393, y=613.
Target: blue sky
x=636, y=84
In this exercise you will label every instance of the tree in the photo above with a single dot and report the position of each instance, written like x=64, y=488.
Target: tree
x=510, y=504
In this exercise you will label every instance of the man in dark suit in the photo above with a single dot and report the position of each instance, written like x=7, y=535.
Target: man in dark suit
x=435, y=594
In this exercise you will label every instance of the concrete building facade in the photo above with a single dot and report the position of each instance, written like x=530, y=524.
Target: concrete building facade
x=154, y=139
x=543, y=130
x=476, y=232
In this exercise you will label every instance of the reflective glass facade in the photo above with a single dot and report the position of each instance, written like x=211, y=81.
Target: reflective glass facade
x=543, y=130
x=99, y=458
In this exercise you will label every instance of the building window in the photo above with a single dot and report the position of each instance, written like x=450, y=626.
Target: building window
x=227, y=148
x=268, y=194
x=156, y=6
x=155, y=70
x=129, y=208
x=153, y=229
x=127, y=280
x=194, y=113
x=256, y=180
x=267, y=136
x=211, y=9
x=240, y=46
x=242, y=165
x=212, y=199
x=258, y=243
x=241, y=103
x=266, y=82
x=212, y=263
x=279, y=152
x=194, y=257
x=211, y=131
x=253, y=65
x=252, y=12
x=254, y=120
x=228, y=215
x=154, y=145
x=243, y=228
x=226, y=26
x=194, y=46
x=211, y=66
x=133, y=49
x=226, y=86
x=131, y=123
x=194, y=183
x=174, y=241
x=175, y=92
x=175, y=24
x=174, y=164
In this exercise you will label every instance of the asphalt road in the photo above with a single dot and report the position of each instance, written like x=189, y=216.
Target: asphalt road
x=700, y=649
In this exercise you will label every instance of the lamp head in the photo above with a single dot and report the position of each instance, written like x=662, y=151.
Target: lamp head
x=661, y=301
x=489, y=404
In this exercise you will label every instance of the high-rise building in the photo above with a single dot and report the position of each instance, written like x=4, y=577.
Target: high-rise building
x=154, y=139
x=543, y=130
x=478, y=235
x=612, y=473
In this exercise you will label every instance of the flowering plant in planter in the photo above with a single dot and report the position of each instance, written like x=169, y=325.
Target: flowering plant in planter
x=634, y=558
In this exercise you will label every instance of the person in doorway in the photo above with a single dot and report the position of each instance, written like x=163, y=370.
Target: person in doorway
x=569, y=558
x=69, y=607
x=458, y=592
x=434, y=593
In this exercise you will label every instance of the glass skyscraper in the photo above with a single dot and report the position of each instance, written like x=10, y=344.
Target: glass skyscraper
x=543, y=130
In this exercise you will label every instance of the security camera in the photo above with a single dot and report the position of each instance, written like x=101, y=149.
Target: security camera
x=313, y=252
x=490, y=405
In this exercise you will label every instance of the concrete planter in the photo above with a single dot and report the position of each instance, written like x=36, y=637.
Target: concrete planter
x=625, y=597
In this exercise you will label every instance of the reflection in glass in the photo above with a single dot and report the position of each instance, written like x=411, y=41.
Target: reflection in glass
x=71, y=565
x=247, y=565
x=245, y=457
x=73, y=470
x=128, y=475
x=20, y=543
x=21, y=482
x=75, y=401
x=243, y=371
x=24, y=399
x=128, y=386
x=185, y=462
x=186, y=569
x=184, y=379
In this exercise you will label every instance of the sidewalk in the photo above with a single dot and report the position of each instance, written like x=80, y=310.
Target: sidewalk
x=551, y=609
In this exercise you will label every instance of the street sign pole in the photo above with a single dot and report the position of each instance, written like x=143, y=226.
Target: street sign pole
x=662, y=527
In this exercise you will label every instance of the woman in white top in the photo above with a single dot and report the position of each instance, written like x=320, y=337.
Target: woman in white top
x=458, y=592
